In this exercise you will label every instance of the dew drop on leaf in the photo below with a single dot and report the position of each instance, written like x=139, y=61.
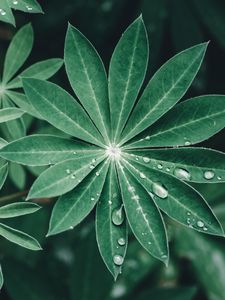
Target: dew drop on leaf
x=160, y=166
x=29, y=8
x=2, y=12
x=182, y=174
x=187, y=143
x=159, y=190
x=92, y=198
x=68, y=171
x=73, y=176
x=118, y=260
x=142, y=175
x=131, y=189
x=97, y=173
x=15, y=2
x=147, y=137
x=118, y=216
x=146, y=159
x=219, y=177
x=121, y=241
x=200, y=224
x=209, y=174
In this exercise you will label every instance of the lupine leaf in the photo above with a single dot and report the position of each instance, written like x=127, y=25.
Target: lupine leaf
x=126, y=74
x=40, y=150
x=177, y=199
x=29, y=6
x=165, y=89
x=18, y=209
x=189, y=164
x=143, y=216
x=87, y=77
x=190, y=122
x=40, y=70
x=8, y=114
x=17, y=174
x=74, y=206
x=18, y=51
x=1, y=278
x=18, y=237
x=3, y=172
x=111, y=236
x=6, y=13
x=60, y=109
x=63, y=177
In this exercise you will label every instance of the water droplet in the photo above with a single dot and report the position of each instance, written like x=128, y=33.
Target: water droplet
x=73, y=176
x=164, y=257
x=68, y=171
x=131, y=189
x=71, y=227
x=136, y=158
x=118, y=216
x=149, y=243
x=74, y=152
x=135, y=197
x=92, y=167
x=15, y=2
x=118, y=260
x=168, y=169
x=209, y=174
x=219, y=177
x=142, y=175
x=187, y=143
x=29, y=8
x=159, y=190
x=146, y=159
x=182, y=174
x=200, y=224
x=97, y=194
x=93, y=160
x=2, y=12
x=121, y=241
x=92, y=199
x=205, y=228
x=160, y=166
x=188, y=213
x=110, y=202
x=147, y=137
x=97, y=173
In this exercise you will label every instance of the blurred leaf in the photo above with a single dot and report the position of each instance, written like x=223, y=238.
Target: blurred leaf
x=183, y=293
x=18, y=175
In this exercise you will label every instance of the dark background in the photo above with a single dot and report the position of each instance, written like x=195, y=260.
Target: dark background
x=70, y=267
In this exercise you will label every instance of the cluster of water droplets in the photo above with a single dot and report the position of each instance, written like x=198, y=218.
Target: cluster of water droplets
x=192, y=222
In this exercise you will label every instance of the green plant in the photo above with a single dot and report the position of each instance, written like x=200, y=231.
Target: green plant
x=6, y=6
x=108, y=162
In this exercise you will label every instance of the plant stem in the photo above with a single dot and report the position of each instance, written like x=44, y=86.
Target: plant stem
x=13, y=196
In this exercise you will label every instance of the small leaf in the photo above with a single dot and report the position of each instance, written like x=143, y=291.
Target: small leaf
x=74, y=206
x=18, y=175
x=143, y=216
x=165, y=89
x=63, y=177
x=189, y=164
x=6, y=14
x=3, y=173
x=18, y=209
x=41, y=70
x=18, y=52
x=190, y=122
x=126, y=74
x=177, y=199
x=112, y=237
x=8, y=114
x=29, y=6
x=20, y=238
x=1, y=278
x=40, y=150
x=87, y=77
x=66, y=115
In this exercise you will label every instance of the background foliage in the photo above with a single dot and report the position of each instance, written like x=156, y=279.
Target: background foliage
x=196, y=269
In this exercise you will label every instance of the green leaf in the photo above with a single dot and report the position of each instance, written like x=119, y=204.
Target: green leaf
x=126, y=74
x=18, y=52
x=111, y=236
x=165, y=89
x=200, y=165
x=6, y=13
x=74, y=206
x=8, y=114
x=143, y=216
x=66, y=115
x=29, y=6
x=177, y=199
x=18, y=209
x=190, y=122
x=18, y=237
x=3, y=173
x=18, y=175
x=87, y=77
x=63, y=177
x=21, y=100
x=1, y=278
x=40, y=150
x=40, y=70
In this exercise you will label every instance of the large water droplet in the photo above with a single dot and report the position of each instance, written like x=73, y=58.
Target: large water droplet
x=159, y=190
x=182, y=174
x=118, y=260
x=146, y=159
x=209, y=174
x=121, y=241
x=200, y=224
x=118, y=216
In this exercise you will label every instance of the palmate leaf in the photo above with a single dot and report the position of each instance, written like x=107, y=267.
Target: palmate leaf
x=9, y=114
x=83, y=172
